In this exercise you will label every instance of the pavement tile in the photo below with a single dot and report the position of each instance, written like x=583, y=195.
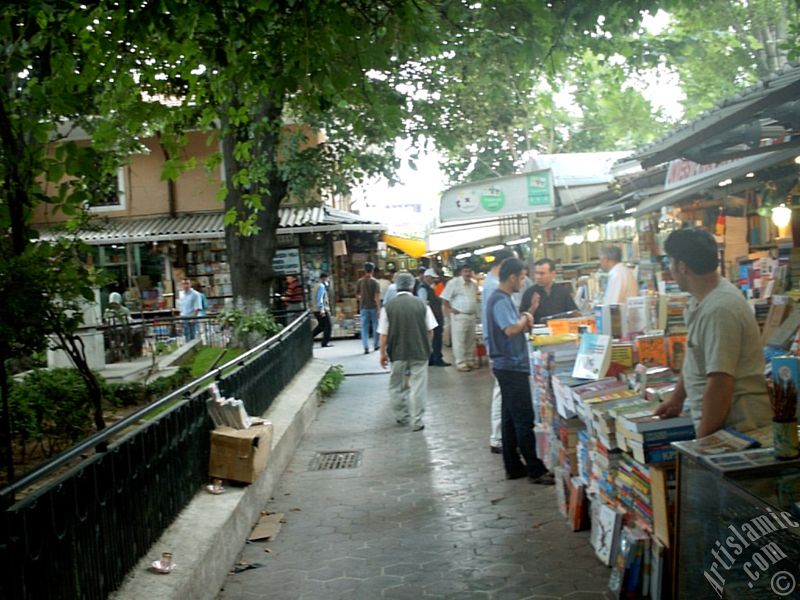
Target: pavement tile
x=426, y=515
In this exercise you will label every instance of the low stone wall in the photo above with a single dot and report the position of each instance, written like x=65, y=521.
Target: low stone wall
x=207, y=536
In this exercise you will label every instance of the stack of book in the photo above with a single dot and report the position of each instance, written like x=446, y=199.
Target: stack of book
x=671, y=309
x=633, y=490
x=648, y=438
x=567, y=431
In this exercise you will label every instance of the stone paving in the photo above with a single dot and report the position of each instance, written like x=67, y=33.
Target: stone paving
x=425, y=515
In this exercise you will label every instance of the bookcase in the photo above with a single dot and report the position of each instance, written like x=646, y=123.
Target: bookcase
x=207, y=265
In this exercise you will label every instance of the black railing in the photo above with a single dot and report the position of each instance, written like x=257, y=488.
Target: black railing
x=79, y=535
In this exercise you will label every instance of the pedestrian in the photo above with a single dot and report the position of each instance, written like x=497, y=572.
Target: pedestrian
x=190, y=307
x=722, y=376
x=461, y=299
x=490, y=284
x=293, y=296
x=368, y=293
x=405, y=326
x=322, y=311
x=547, y=298
x=509, y=356
x=621, y=283
x=426, y=293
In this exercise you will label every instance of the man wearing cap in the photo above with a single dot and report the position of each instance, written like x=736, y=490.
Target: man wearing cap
x=461, y=298
x=426, y=293
x=405, y=325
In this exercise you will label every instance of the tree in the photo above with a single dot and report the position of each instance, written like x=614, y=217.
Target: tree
x=720, y=47
x=54, y=72
x=471, y=78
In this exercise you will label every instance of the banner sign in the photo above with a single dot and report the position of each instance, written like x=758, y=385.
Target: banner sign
x=512, y=195
x=287, y=262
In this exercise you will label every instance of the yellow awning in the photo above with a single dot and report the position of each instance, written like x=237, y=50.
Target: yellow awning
x=414, y=247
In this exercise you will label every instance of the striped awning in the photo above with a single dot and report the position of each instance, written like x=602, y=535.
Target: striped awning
x=209, y=226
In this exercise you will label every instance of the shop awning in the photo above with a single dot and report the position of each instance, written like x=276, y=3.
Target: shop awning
x=209, y=226
x=732, y=170
x=606, y=209
x=414, y=247
x=474, y=233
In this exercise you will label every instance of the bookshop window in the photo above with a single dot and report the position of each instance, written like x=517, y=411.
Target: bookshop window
x=108, y=193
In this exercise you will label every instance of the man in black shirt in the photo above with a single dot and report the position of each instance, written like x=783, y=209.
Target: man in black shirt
x=546, y=298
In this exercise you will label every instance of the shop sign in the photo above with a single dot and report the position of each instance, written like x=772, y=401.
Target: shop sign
x=513, y=195
x=681, y=172
x=287, y=262
x=288, y=239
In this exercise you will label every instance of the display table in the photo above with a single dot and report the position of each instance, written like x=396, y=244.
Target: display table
x=735, y=537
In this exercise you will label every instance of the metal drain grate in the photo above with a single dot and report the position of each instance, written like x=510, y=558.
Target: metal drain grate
x=341, y=459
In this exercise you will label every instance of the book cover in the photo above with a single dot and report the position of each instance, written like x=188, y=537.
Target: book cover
x=594, y=356
x=647, y=421
x=606, y=524
x=786, y=380
x=676, y=345
x=652, y=350
x=637, y=310
x=744, y=459
x=622, y=354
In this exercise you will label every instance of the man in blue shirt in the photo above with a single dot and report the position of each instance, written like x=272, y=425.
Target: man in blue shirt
x=322, y=311
x=508, y=349
x=190, y=306
x=490, y=284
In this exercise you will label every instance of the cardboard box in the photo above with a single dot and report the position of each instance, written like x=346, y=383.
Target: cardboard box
x=240, y=454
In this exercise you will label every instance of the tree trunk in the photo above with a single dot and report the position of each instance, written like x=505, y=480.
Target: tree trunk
x=73, y=345
x=8, y=449
x=250, y=257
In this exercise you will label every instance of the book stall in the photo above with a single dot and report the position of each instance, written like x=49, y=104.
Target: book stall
x=640, y=483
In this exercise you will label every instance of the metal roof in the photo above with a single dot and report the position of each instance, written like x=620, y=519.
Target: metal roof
x=577, y=168
x=731, y=171
x=211, y=226
x=725, y=130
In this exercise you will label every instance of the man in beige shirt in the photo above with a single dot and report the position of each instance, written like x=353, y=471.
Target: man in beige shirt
x=722, y=378
x=461, y=299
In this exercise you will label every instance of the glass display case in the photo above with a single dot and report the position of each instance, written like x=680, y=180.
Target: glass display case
x=738, y=532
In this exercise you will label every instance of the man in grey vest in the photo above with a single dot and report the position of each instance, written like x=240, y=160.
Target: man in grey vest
x=405, y=326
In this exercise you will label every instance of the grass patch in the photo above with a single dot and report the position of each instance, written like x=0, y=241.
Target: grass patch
x=205, y=358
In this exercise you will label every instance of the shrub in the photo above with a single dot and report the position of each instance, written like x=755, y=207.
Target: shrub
x=248, y=328
x=331, y=381
x=51, y=407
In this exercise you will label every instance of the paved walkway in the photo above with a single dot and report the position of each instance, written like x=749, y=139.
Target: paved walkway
x=426, y=514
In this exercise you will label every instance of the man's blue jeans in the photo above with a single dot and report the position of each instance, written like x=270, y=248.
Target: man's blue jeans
x=189, y=329
x=369, y=316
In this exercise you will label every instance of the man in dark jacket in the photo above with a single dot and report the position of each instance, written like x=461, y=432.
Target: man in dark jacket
x=426, y=292
x=405, y=325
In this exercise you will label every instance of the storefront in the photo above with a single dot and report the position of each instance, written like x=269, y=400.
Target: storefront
x=147, y=258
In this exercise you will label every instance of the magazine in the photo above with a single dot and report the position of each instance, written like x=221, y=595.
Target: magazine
x=723, y=441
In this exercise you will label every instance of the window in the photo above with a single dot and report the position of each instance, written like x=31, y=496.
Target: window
x=108, y=193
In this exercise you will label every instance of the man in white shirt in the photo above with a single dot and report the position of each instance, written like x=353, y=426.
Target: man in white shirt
x=461, y=298
x=405, y=327
x=621, y=283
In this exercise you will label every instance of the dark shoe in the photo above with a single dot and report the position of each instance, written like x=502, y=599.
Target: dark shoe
x=326, y=345
x=546, y=478
x=440, y=364
x=418, y=428
x=519, y=475
x=496, y=449
x=402, y=422
x=366, y=351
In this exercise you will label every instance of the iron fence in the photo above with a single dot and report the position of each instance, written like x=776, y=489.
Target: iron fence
x=78, y=535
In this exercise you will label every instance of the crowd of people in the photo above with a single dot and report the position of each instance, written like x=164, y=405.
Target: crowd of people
x=411, y=316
